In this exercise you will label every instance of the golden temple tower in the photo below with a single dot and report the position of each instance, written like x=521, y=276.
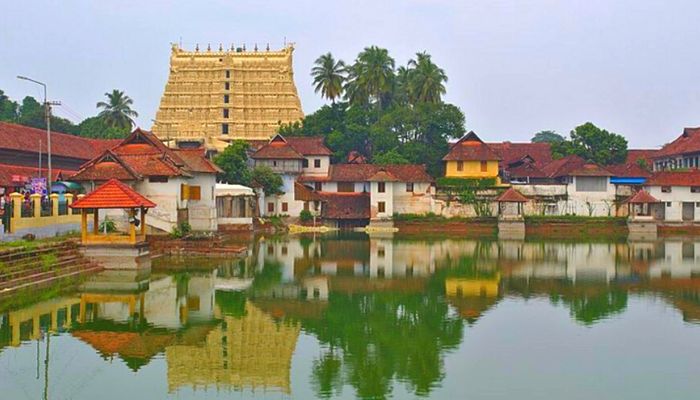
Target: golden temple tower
x=213, y=97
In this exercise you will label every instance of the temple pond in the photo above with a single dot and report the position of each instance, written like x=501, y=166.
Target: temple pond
x=352, y=316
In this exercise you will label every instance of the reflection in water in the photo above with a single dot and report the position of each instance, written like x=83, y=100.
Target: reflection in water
x=384, y=312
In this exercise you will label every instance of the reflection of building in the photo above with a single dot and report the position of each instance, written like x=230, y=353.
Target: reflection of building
x=250, y=352
x=27, y=323
x=212, y=97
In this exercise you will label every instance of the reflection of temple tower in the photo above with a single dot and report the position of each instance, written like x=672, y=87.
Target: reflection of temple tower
x=251, y=352
x=212, y=97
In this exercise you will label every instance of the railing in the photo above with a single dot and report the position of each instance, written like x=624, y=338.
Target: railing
x=45, y=208
x=38, y=212
x=27, y=208
x=62, y=208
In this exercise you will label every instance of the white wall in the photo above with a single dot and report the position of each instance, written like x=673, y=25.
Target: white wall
x=387, y=197
x=674, y=201
x=322, y=170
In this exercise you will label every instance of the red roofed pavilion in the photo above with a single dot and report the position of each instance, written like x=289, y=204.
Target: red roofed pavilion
x=510, y=203
x=113, y=194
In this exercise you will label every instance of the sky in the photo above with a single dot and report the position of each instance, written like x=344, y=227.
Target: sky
x=514, y=67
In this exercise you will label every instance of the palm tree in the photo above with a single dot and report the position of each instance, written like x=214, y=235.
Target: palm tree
x=329, y=76
x=402, y=91
x=427, y=80
x=117, y=111
x=372, y=75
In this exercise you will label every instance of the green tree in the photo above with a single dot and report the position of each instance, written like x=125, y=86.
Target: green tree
x=371, y=78
x=8, y=109
x=594, y=144
x=329, y=76
x=97, y=128
x=234, y=162
x=390, y=157
x=547, y=137
x=268, y=180
x=33, y=114
x=117, y=111
x=426, y=80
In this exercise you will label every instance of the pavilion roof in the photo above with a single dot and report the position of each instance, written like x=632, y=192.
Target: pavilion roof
x=643, y=197
x=113, y=194
x=511, y=196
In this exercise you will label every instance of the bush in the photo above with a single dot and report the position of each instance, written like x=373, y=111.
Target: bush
x=108, y=225
x=305, y=216
x=181, y=230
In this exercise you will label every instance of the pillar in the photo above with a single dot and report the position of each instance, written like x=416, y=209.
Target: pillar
x=132, y=227
x=143, y=221
x=69, y=201
x=83, y=226
x=16, y=200
x=36, y=203
x=54, y=204
x=96, y=221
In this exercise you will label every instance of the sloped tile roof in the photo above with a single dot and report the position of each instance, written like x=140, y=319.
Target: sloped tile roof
x=309, y=146
x=675, y=178
x=563, y=166
x=292, y=148
x=526, y=169
x=197, y=161
x=642, y=197
x=687, y=142
x=24, y=138
x=471, y=148
x=345, y=205
x=383, y=176
x=303, y=193
x=511, y=196
x=628, y=170
x=633, y=155
x=113, y=194
x=510, y=152
x=364, y=172
x=590, y=169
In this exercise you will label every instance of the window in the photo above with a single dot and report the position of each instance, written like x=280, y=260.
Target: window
x=317, y=163
x=227, y=86
x=305, y=163
x=668, y=204
x=318, y=186
x=285, y=207
x=184, y=192
x=284, y=250
x=484, y=166
x=591, y=183
x=346, y=187
x=270, y=249
x=270, y=207
x=665, y=189
x=195, y=193
x=228, y=74
x=274, y=163
x=409, y=187
x=224, y=129
x=158, y=179
x=381, y=207
x=226, y=98
x=460, y=165
x=381, y=252
x=381, y=187
x=225, y=112
x=695, y=189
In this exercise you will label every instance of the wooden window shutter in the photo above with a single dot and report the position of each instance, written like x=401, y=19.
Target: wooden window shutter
x=184, y=191
x=195, y=193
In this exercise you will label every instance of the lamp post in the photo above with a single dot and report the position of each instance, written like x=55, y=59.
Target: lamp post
x=47, y=112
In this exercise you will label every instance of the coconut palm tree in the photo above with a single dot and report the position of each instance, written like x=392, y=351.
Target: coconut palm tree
x=329, y=76
x=427, y=80
x=372, y=75
x=117, y=111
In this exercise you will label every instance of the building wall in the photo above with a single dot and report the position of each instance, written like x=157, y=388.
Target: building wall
x=585, y=203
x=375, y=198
x=420, y=201
x=294, y=207
x=322, y=170
x=673, y=202
x=471, y=169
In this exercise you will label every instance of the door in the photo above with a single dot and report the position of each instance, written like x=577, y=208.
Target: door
x=183, y=215
x=688, y=211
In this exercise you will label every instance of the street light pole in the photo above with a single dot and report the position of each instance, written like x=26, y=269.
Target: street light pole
x=47, y=112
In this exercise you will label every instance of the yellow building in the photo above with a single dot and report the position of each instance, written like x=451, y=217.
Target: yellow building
x=471, y=158
x=213, y=97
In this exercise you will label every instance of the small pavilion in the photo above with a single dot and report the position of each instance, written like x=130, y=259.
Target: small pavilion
x=640, y=205
x=113, y=195
x=510, y=204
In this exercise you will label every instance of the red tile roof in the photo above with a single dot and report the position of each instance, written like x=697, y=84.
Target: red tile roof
x=590, y=169
x=345, y=205
x=687, y=142
x=563, y=166
x=526, y=169
x=633, y=155
x=303, y=193
x=541, y=153
x=24, y=138
x=142, y=155
x=642, y=197
x=364, y=172
x=355, y=157
x=16, y=175
x=292, y=148
x=511, y=196
x=628, y=170
x=113, y=194
x=471, y=148
x=675, y=178
x=383, y=175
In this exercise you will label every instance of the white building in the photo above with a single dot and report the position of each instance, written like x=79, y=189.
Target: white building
x=180, y=181
x=678, y=193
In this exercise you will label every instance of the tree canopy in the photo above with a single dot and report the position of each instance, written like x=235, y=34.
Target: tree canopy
x=234, y=162
x=593, y=144
x=547, y=137
x=117, y=111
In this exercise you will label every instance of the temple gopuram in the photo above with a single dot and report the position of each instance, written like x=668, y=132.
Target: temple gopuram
x=213, y=97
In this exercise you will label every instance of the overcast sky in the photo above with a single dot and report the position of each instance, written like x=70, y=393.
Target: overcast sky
x=514, y=67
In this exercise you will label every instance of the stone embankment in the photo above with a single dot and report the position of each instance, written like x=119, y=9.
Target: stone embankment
x=42, y=264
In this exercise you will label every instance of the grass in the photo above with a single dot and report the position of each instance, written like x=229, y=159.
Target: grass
x=33, y=244
x=432, y=217
x=573, y=219
x=48, y=260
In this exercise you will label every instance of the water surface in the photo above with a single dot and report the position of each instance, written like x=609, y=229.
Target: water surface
x=347, y=316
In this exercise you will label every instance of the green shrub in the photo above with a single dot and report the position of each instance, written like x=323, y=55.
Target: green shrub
x=108, y=225
x=306, y=216
x=48, y=260
x=181, y=230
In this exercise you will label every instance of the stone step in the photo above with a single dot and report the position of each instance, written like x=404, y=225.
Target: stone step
x=42, y=276
x=38, y=267
x=50, y=280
